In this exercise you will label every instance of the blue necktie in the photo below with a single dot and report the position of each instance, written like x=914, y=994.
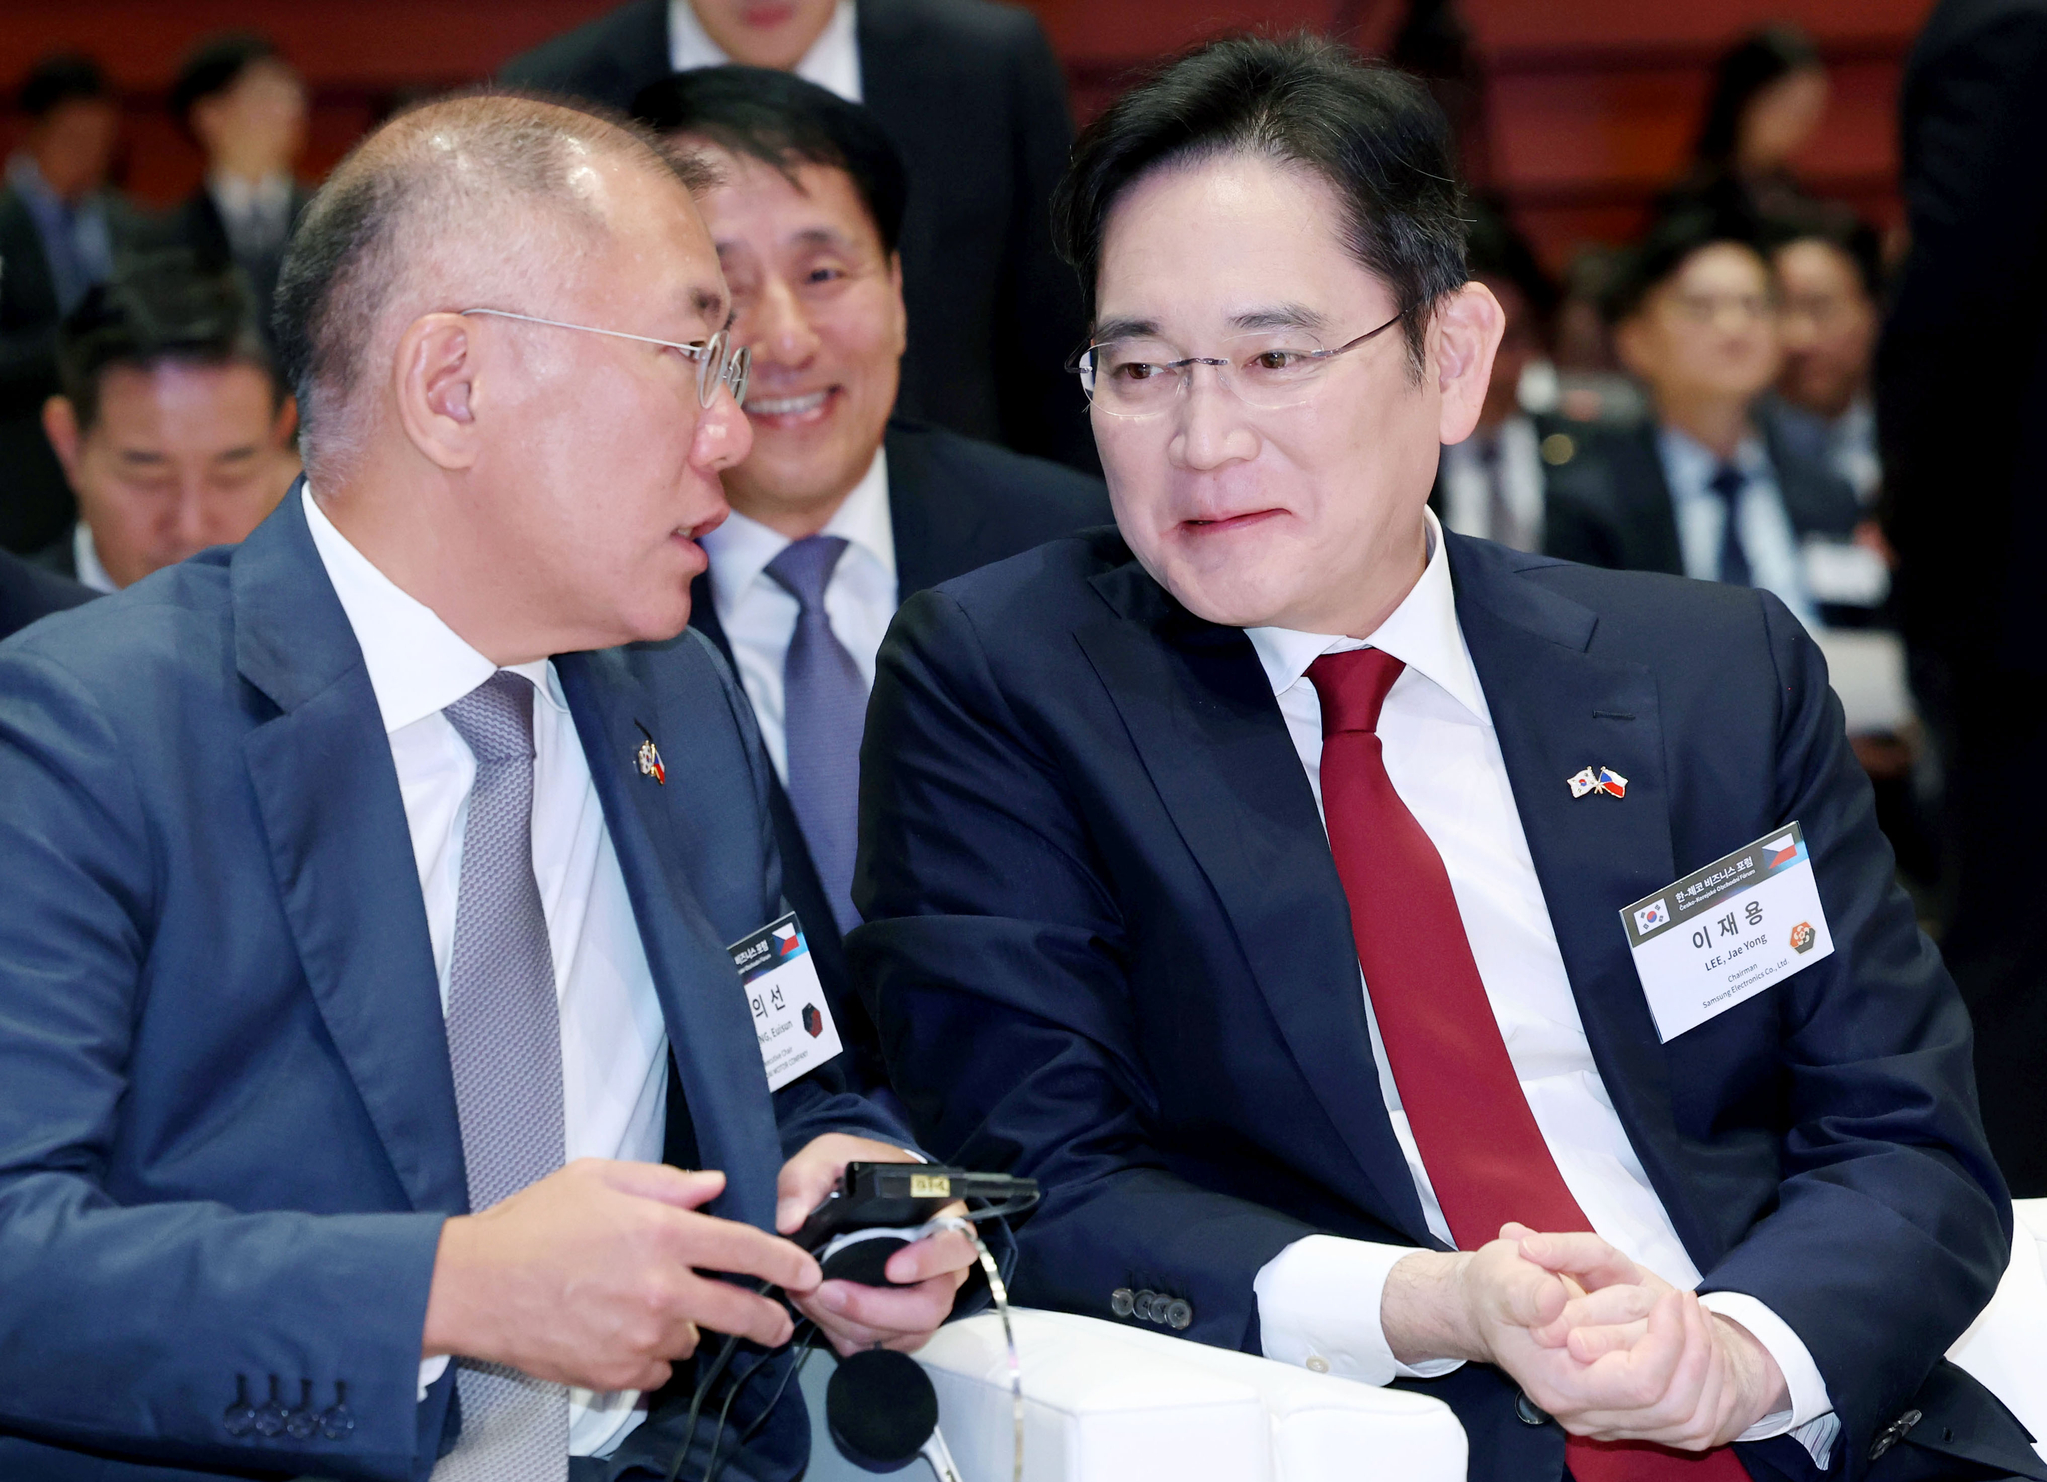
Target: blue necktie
x=505, y=1049
x=824, y=709
x=1728, y=484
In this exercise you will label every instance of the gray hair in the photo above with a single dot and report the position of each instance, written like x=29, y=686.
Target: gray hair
x=473, y=198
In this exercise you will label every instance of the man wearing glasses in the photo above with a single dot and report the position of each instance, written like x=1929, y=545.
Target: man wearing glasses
x=364, y=955
x=1140, y=809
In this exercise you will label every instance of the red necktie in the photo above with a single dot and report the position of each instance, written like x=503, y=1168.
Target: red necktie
x=1485, y=1156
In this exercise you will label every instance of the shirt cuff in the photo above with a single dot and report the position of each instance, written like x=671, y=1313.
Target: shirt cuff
x=430, y=1370
x=1318, y=1307
x=1810, y=1420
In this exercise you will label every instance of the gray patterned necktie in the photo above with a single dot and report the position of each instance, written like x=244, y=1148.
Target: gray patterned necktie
x=824, y=708
x=504, y=1044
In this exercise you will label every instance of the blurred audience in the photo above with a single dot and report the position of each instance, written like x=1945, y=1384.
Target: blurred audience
x=839, y=512
x=1961, y=391
x=1492, y=484
x=1829, y=268
x=172, y=426
x=1705, y=488
x=975, y=102
x=1769, y=94
x=28, y=593
x=245, y=107
x=60, y=230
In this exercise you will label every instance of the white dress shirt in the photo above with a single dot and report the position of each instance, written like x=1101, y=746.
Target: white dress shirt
x=614, y=1039
x=85, y=560
x=759, y=615
x=1318, y=1300
x=833, y=61
x=1767, y=538
x=1468, y=484
x=256, y=214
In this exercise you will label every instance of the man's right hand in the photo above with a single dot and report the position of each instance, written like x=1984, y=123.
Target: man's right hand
x=590, y=1277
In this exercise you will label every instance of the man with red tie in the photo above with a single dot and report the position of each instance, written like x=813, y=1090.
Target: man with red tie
x=1141, y=808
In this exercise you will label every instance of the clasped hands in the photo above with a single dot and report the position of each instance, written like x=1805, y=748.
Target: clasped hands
x=1609, y=1348
x=594, y=1276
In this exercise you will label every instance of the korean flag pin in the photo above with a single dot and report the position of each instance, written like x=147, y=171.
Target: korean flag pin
x=1582, y=782
x=1604, y=779
x=649, y=758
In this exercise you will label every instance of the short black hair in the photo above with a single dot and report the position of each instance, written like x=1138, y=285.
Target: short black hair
x=61, y=78
x=1373, y=133
x=1495, y=248
x=1839, y=227
x=163, y=306
x=784, y=121
x=1745, y=69
x=1668, y=246
x=215, y=65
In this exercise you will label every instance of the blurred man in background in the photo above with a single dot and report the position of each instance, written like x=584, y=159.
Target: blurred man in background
x=60, y=228
x=1961, y=394
x=245, y=107
x=1830, y=270
x=974, y=100
x=172, y=427
x=1492, y=484
x=840, y=512
x=1705, y=489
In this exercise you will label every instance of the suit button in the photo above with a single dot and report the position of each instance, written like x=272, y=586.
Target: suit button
x=1179, y=1313
x=271, y=1418
x=1317, y=1364
x=1122, y=1301
x=1894, y=1433
x=1528, y=1412
x=1141, y=1308
x=337, y=1421
x=240, y=1417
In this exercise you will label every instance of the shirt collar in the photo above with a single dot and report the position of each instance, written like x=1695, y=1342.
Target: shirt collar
x=240, y=197
x=741, y=548
x=1689, y=464
x=85, y=560
x=417, y=663
x=1421, y=632
x=833, y=61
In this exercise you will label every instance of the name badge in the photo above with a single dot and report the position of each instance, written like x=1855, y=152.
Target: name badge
x=1723, y=934
x=787, y=1002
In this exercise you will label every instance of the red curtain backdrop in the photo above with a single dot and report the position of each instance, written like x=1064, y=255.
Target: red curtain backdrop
x=1589, y=104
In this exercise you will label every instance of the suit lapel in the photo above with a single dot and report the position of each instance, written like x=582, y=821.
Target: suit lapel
x=938, y=532
x=710, y=1032
x=1200, y=712
x=1558, y=708
x=1661, y=549
x=335, y=824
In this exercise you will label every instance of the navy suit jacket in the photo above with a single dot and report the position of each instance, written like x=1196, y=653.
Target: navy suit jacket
x=29, y=591
x=954, y=504
x=1107, y=946
x=228, y=1139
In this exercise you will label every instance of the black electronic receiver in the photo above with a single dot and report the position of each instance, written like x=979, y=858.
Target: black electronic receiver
x=877, y=1209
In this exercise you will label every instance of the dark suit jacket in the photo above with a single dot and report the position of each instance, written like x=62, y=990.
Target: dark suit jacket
x=1962, y=366
x=1611, y=505
x=229, y=1137
x=35, y=500
x=955, y=504
x=1107, y=946
x=972, y=96
x=195, y=223
x=28, y=591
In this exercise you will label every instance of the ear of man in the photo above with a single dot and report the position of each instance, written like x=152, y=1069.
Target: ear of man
x=434, y=375
x=60, y=425
x=1464, y=336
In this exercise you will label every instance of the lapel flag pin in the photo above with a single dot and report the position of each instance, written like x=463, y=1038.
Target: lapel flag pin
x=1604, y=779
x=649, y=758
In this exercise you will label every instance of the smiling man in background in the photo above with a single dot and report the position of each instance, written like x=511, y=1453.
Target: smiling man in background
x=1141, y=808
x=840, y=512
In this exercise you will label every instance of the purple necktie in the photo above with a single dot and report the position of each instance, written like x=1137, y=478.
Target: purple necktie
x=504, y=1046
x=824, y=708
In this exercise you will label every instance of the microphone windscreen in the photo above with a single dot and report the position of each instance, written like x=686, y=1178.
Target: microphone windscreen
x=881, y=1409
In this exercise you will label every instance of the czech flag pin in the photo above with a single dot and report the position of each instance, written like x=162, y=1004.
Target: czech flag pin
x=1612, y=782
x=649, y=758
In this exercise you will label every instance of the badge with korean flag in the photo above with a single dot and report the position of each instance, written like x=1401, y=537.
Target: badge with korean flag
x=1724, y=933
x=790, y=1015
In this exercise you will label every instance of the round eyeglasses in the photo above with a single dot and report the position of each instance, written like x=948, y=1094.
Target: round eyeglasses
x=719, y=361
x=1269, y=370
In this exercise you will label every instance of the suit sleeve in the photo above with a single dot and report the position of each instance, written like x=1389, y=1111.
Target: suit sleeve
x=994, y=964
x=1043, y=410
x=126, y=1314
x=1892, y=1225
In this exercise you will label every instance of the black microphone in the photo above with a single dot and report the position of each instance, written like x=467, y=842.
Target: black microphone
x=880, y=1409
